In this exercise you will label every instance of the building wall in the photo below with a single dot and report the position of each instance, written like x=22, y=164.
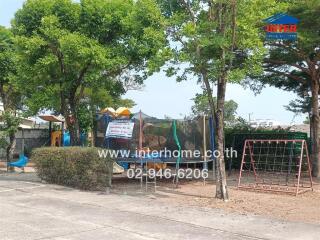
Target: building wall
x=28, y=139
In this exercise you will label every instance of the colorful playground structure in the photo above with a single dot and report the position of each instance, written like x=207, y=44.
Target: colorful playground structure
x=142, y=135
x=58, y=138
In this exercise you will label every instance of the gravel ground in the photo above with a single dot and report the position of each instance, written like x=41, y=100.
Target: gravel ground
x=302, y=208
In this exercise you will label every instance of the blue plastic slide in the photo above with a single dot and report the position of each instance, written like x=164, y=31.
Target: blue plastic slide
x=22, y=162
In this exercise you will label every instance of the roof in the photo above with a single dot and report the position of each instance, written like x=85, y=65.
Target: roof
x=52, y=118
x=143, y=116
x=281, y=18
x=24, y=126
x=121, y=111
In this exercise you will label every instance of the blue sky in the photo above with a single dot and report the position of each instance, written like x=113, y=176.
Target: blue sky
x=163, y=96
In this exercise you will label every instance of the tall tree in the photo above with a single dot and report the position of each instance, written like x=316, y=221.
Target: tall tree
x=67, y=47
x=295, y=65
x=201, y=107
x=10, y=96
x=219, y=42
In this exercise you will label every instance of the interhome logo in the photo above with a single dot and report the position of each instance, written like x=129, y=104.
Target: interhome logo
x=281, y=27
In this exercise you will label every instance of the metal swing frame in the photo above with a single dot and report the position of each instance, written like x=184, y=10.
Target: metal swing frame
x=259, y=184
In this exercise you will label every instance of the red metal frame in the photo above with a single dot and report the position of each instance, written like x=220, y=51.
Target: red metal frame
x=275, y=187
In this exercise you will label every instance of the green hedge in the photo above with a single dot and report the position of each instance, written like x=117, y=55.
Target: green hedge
x=79, y=167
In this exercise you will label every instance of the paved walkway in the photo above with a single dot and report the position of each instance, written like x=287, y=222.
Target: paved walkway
x=31, y=210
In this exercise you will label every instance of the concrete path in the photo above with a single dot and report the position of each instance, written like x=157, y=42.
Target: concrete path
x=31, y=210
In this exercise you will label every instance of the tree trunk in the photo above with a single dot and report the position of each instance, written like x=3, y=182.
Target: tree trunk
x=10, y=149
x=73, y=125
x=213, y=114
x=210, y=98
x=94, y=126
x=221, y=183
x=12, y=135
x=74, y=135
x=314, y=124
x=221, y=179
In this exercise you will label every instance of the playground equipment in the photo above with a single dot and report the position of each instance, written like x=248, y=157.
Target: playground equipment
x=120, y=112
x=142, y=134
x=236, y=142
x=60, y=137
x=21, y=163
x=280, y=165
x=56, y=137
x=115, y=131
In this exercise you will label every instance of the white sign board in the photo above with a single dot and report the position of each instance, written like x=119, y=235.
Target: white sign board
x=121, y=129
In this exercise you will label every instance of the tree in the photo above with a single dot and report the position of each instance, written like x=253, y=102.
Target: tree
x=10, y=96
x=219, y=42
x=201, y=107
x=295, y=66
x=68, y=48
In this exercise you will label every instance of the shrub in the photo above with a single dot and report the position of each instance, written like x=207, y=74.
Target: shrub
x=79, y=167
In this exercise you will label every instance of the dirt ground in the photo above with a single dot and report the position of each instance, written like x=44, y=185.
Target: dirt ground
x=302, y=208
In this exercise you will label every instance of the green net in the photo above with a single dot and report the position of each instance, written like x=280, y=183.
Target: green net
x=159, y=134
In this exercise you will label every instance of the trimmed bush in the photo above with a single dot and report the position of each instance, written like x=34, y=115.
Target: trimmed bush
x=79, y=167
